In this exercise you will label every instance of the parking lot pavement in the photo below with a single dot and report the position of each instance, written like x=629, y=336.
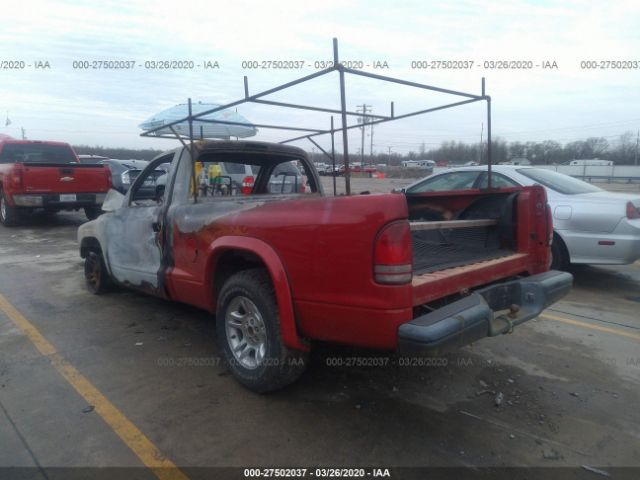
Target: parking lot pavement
x=568, y=381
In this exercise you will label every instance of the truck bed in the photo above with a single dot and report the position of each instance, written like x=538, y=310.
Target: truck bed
x=480, y=228
x=443, y=248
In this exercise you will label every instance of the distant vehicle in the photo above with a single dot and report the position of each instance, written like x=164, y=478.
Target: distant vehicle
x=287, y=178
x=592, y=162
x=326, y=169
x=418, y=163
x=91, y=159
x=357, y=167
x=591, y=225
x=124, y=172
x=47, y=175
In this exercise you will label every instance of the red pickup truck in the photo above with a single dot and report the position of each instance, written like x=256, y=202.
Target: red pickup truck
x=47, y=175
x=414, y=274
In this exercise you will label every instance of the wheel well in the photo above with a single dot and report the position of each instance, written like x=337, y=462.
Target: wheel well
x=231, y=262
x=563, y=246
x=89, y=244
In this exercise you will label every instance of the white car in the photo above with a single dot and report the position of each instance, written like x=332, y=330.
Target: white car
x=591, y=225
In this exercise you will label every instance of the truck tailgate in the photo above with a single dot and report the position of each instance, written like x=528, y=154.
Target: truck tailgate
x=439, y=284
x=65, y=178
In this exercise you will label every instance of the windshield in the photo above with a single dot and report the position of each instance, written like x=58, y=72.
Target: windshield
x=37, y=153
x=558, y=181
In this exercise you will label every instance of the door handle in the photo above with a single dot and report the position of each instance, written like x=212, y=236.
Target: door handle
x=156, y=226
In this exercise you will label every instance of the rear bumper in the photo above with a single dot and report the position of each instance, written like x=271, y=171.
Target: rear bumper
x=58, y=201
x=488, y=312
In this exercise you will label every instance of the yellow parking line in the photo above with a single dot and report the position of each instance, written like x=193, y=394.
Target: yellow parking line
x=578, y=323
x=148, y=453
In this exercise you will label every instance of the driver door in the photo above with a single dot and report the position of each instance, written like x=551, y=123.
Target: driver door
x=135, y=232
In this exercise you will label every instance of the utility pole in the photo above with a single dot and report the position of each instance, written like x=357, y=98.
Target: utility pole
x=480, y=149
x=364, y=108
x=635, y=162
x=371, y=148
x=24, y=133
x=389, y=157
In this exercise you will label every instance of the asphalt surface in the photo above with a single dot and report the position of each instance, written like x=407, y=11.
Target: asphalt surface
x=569, y=382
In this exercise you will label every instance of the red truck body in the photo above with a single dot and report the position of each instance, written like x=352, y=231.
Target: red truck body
x=421, y=273
x=47, y=175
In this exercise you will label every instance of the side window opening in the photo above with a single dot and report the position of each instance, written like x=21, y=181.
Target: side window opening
x=150, y=184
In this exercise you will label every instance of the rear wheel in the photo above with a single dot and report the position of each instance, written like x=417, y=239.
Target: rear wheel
x=559, y=254
x=92, y=212
x=248, y=331
x=8, y=214
x=95, y=273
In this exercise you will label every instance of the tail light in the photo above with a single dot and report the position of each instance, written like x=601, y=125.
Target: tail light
x=392, y=256
x=247, y=185
x=16, y=177
x=632, y=210
x=109, y=178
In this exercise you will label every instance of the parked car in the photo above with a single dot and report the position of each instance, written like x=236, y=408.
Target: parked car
x=399, y=276
x=47, y=175
x=591, y=225
x=124, y=172
x=287, y=178
x=86, y=158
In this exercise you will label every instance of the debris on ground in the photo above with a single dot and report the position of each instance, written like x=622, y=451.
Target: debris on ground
x=483, y=384
x=88, y=409
x=551, y=454
x=499, y=399
x=482, y=392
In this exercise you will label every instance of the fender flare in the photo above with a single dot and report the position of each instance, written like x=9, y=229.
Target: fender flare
x=278, y=275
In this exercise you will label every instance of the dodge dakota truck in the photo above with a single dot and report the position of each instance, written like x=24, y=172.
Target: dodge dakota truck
x=418, y=275
x=47, y=175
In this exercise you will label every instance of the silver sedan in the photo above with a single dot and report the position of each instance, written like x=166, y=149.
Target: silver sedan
x=591, y=225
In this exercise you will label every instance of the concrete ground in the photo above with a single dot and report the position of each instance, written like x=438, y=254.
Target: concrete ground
x=569, y=381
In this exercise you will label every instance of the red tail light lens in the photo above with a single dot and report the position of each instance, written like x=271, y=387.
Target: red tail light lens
x=247, y=185
x=632, y=210
x=393, y=257
x=109, y=178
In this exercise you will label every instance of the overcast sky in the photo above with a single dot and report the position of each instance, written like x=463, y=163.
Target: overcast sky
x=104, y=107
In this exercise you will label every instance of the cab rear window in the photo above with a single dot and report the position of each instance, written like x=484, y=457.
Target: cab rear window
x=36, y=153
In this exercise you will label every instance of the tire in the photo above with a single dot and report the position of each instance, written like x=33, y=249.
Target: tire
x=95, y=273
x=559, y=254
x=8, y=214
x=247, y=314
x=92, y=212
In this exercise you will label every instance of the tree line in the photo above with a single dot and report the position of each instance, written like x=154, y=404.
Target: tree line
x=622, y=150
